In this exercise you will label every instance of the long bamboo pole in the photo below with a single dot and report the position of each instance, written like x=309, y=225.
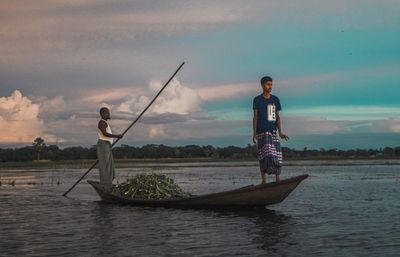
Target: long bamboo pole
x=126, y=130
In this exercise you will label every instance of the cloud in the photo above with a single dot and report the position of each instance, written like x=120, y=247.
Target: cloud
x=347, y=112
x=178, y=114
x=18, y=107
x=345, y=141
x=391, y=125
x=228, y=92
x=112, y=93
x=175, y=99
x=74, y=130
x=208, y=130
x=59, y=45
x=64, y=26
x=166, y=118
x=156, y=132
x=303, y=85
x=24, y=118
x=19, y=120
x=312, y=126
x=78, y=27
x=50, y=108
x=351, y=119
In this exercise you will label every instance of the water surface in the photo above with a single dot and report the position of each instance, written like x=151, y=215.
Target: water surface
x=338, y=210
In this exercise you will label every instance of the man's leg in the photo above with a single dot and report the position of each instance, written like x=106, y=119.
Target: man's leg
x=263, y=177
x=277, y=178
x=102, y=162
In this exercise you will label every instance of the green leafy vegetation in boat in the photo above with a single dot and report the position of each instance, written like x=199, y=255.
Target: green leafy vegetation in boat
x=151, y=186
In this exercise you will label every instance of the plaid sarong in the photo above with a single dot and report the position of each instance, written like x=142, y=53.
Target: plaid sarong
x=269, y=152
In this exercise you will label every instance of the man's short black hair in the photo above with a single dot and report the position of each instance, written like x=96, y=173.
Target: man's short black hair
x=265, y=80
x=102, y=110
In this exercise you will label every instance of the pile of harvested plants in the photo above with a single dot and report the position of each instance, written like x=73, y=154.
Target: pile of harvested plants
x=151, y=186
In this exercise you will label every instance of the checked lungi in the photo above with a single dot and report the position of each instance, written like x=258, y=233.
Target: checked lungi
x=269, y=152
x=106, y=163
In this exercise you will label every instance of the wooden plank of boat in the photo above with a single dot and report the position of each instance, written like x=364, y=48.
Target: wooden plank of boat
x=252, y=195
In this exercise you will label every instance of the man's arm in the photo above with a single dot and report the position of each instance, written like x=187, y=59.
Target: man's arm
x=102, y=126
x=255, y=117
x=279, y=126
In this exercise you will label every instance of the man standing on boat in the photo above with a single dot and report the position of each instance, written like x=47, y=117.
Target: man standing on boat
x=266, y=121
x=104, y=149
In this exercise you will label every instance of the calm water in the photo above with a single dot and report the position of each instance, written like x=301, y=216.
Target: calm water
x=337, y=211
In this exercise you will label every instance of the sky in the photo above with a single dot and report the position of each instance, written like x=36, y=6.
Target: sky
x=335, y=66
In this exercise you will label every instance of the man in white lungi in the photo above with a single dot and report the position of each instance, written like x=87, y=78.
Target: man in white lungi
x=104, y=149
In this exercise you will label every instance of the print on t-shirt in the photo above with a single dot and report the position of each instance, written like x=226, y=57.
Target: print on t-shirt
x=271, y=112
x=267, y=112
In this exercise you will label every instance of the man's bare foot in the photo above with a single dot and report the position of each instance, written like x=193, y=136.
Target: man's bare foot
x=263, y=182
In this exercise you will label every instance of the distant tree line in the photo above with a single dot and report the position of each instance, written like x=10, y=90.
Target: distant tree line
x=53, y=152
x=387, y=152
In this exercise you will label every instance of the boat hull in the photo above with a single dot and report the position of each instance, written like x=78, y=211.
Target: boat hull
x=249, y=196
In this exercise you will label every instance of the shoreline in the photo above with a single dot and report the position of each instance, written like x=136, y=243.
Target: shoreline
x=163, y=162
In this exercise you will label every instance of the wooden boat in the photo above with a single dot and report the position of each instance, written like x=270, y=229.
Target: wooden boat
x=252, y=195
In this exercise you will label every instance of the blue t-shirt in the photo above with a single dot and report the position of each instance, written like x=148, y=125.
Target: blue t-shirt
x=267, y=108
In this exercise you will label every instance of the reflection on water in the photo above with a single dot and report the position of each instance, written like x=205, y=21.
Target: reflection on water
x=339, y=210
x=269, y=228
x=102, y=228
